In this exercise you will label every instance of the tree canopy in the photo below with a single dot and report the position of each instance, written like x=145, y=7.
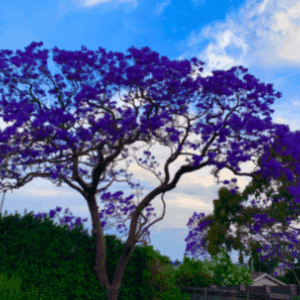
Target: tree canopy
x=164, y=97
x=229, y=210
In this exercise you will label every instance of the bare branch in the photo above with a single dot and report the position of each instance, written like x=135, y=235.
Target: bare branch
x=2, y=201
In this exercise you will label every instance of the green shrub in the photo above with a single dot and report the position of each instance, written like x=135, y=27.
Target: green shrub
x=162, y=281
x=39, y=251
x=9, y=288
x=191, y=274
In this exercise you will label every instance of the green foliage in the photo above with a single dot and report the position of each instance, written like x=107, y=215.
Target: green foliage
x=40, y=252
x=265, y=266
x=173, y=294
x=9, y=289
x=225, y=273
x=162, y=281
x=289, y=277
x=193, y=273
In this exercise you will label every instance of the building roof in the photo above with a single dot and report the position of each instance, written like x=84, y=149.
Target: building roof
x=280, y=271
x=256, y=276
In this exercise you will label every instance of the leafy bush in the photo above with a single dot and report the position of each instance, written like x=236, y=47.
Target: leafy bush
x=219, y=271
x=162, y=281
x=40, y=252
x=191, y=274
x=9, y=288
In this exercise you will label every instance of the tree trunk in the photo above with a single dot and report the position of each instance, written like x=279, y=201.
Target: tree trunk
x=100, y=252
x=112, y=293
x=296, y=276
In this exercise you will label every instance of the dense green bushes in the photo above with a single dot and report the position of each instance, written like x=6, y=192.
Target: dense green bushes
x=39, y=252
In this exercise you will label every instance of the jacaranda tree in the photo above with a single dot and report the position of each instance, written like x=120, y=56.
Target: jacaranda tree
x=55, y=148
x=284, y=208
x=228, y=210
x=279, y=209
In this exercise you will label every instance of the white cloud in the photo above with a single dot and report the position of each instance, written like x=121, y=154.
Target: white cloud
x=91, y=3
x=267, y=32
x=161, y=6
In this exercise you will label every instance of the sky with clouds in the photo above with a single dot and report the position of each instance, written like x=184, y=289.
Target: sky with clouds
x=262, y=36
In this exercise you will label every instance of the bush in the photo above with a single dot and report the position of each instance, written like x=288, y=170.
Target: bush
x=39, y=251
x=190, y=274
x=162, y=281
x=9, y=288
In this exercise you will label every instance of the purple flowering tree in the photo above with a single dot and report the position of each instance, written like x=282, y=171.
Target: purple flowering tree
x=170, y=90
x=213, y=230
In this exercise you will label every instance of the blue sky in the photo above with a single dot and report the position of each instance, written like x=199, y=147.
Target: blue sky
x=262, y=36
